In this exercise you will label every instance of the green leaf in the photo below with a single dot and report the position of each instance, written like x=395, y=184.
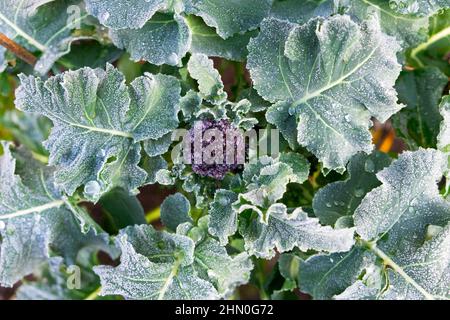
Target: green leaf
x=35, y=218
x=98, y=122
x=214, y=264
x=28, y=23
x=397, y=216
x=285, y=231
x=317, y=73
x=122, y=209
x=230, y=17
x=340, y=199
x=419, y=7
x=209, y=82
x=409, y=186
x=324, y=276
x=267, y=180
x=301, y=11
x=121, y=14
x=175, y=210
x=164, y=39
x=154, y=265
x=223, y=219
x=206, y=41
x=408, y=29
x=444, y=135
x=421, y=91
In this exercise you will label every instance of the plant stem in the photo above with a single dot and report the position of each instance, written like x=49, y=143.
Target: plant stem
x=94, y=294
x=435, y=38
x=391, y=263
x=17, y=49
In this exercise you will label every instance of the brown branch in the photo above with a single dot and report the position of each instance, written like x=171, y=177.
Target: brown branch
x=17, y=49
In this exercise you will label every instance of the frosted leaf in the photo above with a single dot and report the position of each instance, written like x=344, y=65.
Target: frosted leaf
x=164, y=39
x=301, y=11
x=285, y=231
x=444, y=134
x=52, y=283
x=321, y=72
x=406, y=28
x=175, y=210
x=419, y=7
x=103, y=120
x=223, y=220
x=158, y=147
x=121, y=14
x=357, y=291
x=35, y=216
x=209, y=82
x=154, y=265
x=429, y=267
x=214, y=264
x=421, y=91
x=324, y=276
x=3, y=62
x=340, y=199
x=408, y=196
x=267, y=180
x=205, y=40
x=397, y=216
x=28, y=22
x=230, y=17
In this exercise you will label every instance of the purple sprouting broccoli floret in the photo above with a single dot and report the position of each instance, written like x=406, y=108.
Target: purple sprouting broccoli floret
x=216, y=170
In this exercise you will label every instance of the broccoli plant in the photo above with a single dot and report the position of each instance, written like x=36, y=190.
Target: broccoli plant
x=210, y=149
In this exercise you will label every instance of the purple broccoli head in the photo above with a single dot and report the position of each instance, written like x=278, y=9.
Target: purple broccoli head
x=217, y=147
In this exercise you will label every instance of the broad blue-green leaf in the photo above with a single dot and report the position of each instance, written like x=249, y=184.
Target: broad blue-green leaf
x=121, y=14
x=301, y=11
x=267, y=180
x=408, y=196
x=154, y=265
x=30, y=130
x=213, y=263
x=428, y=267
x=419, y=7
x=3, y=62
x=205, y=40
x=421, y=91
x=57, y=281
x=122, y=209
x=223, y=219
x=444, y=134
x=331, y=76
x=29, y=23
x=408, y=29
x=158, y=147
x=340, y=199
x=407, y=220
x=164, y=39
x=98, y=122
x=358, y=291
x=324, y=276
x=175, y=210
x=230, y=17
x=35, y=218
x=284, y=231
x=209, y=82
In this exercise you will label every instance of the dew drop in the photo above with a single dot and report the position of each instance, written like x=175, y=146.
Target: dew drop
x=359, y=192
x=2, y=225
x=92, y=188
x=104, y=16
x=369, y=166
x=328, y=205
